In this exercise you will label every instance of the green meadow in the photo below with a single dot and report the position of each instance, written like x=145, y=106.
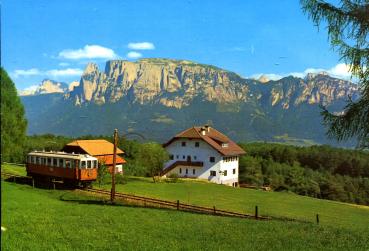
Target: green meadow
x=40, y=219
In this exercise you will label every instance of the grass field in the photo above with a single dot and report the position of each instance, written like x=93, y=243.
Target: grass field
x=38, y=219
x=278, y=204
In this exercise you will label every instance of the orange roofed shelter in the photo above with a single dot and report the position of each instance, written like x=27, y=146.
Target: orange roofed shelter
x=102, y=149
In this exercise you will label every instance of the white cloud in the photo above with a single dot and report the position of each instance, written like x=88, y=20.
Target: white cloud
x=29, y=72
x=31, y=88
x=341, y=71
x=141, y=46
x=53, y=72
x=64, y=72
x=28, y=91
x=134, y=54
x=270, y=76
x=64, y=64
x=89, y=52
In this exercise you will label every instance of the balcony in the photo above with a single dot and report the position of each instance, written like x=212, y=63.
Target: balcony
x=182, y=163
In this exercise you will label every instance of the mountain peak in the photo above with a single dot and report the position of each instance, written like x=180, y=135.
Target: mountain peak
x=45, y=87
x=91, y=68
x=263, y=79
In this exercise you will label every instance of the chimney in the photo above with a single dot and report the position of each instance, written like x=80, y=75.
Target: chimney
x=203, y=131
x=207, y=128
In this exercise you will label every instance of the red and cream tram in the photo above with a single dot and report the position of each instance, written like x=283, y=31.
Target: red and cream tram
x=77, y=169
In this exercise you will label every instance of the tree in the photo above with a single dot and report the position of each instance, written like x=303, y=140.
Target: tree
x=348, y=28
x=152, y=156
x=102, y=171
x=13, y=122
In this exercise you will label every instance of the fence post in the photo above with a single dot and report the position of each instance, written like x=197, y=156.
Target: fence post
x=215, y=212
x=256, y=212
x=53, y=181
x=317, y=218
x=177, y=204
x=33, y=183
x=14, y=179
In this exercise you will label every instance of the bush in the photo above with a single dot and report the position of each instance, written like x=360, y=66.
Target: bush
x=120, y=179
x=172, y=178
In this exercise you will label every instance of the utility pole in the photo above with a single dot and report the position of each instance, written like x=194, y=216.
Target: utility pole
x=112, y=193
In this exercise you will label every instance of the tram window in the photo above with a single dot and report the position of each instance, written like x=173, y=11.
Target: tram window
x=67, y=163
x=95, y=163
x=83, y=164
x=88, y=163
x=72, y=163
x=49, y=161
x=43, y=160
x=55, y=162
x=61, y=162
x=37, y=160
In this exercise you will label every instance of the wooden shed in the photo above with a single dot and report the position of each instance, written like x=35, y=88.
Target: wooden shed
x=102, y=149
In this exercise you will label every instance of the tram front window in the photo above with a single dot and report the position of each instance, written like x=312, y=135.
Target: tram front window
x=83, y=164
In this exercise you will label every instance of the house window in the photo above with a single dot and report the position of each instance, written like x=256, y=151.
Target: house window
x=194, y=157
x=234, y=170
x=183, y=157
x=186, y=171
x=180, y=170
x=177, y=156
x=225, y=172
x=197, y=144
x=225, y=145
x=193, y=171
x=213, y=173
x=171, y=156
x=183, y=143
x=212, y=159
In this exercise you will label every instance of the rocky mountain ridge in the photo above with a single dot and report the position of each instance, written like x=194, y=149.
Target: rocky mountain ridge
x=175, y=83
x=160, y=97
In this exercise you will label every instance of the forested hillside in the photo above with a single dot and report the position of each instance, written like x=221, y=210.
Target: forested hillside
x=317, y=171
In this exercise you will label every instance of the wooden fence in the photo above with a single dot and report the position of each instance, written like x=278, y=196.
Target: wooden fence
x=177, y=205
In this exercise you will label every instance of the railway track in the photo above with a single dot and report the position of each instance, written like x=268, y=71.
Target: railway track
x=147, y=201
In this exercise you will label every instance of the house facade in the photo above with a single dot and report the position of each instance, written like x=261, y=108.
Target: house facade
x=102, y=149
x=203, y=153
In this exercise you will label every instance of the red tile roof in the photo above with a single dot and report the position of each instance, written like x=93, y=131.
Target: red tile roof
x=213, y=137
x=95, y=147
x=108, y=160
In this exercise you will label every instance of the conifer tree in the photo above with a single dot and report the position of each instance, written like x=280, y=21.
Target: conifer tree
x=347, y=25
x=13, y=122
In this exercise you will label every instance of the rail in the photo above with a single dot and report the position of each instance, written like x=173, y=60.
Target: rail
x=177, y=205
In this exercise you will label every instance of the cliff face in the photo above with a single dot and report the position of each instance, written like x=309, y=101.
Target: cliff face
x=314, y=89
x=169, y=82
x=175, y=83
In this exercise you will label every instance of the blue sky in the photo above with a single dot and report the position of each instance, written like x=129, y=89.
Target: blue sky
x=55, y=39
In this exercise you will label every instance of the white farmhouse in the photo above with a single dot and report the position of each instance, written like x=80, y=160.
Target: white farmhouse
x=204, y=153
